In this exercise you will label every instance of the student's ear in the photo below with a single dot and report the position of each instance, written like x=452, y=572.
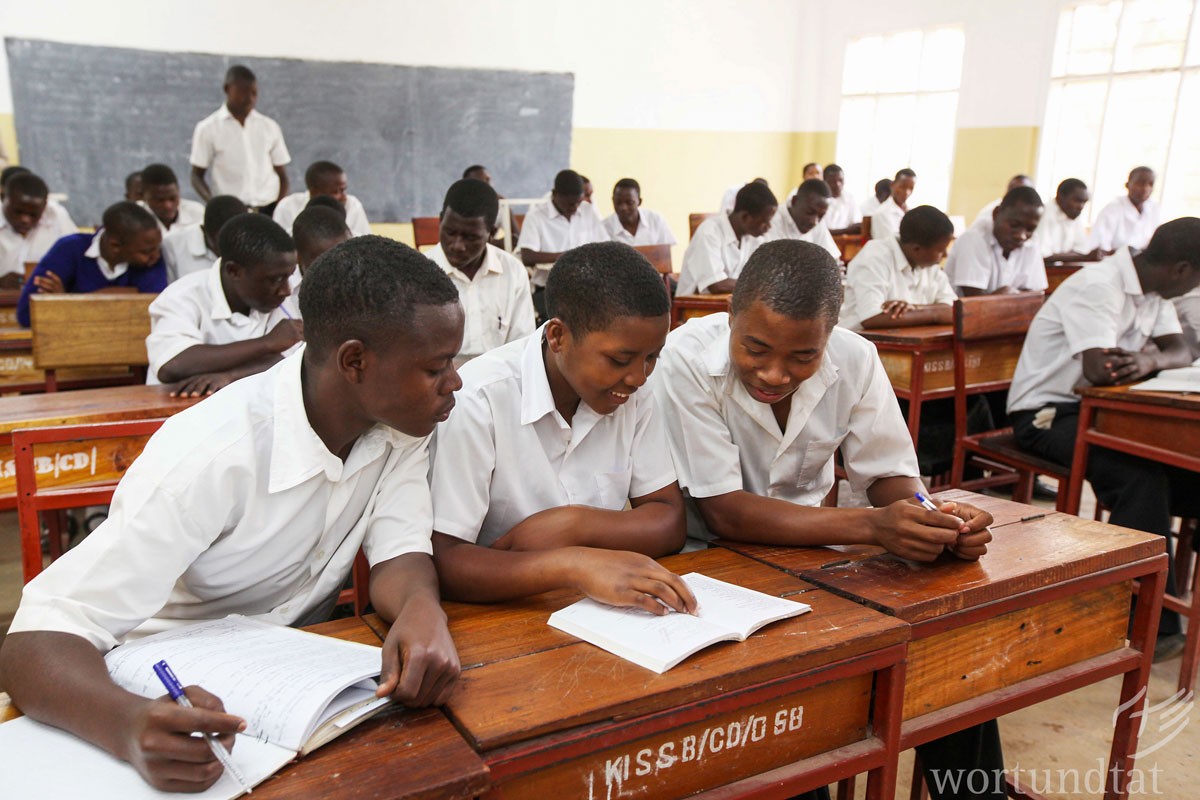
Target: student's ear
x=351, y=361
x=232, y=268
x=492, y=231
x=557, y=335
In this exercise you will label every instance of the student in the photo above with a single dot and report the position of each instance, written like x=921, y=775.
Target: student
x=630, y=223
x=160, y=194
x=316, y=230
x=1092, y=332
x=719, y=248
x=885, y=220
x=125, y=251
x=244, y=149
x=194, y=248
x=883, y=190
x=729, y=198
x=551, y=437
x=493, y=286
x=843, y=215
x=1013, y=182
x=552, y=228
x=1062, y=235
x=29, y=227
x=998, y=256
x=478, y=172
x=898, y=282
x=802, y=218
x=323, y=177
x=256, y=502
x=133, y=187
x=759, y=401
x=812, y=171
x=236, y=318
x=1130, y=219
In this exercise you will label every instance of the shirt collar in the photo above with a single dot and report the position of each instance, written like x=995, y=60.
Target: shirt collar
x=728, y=234
x=893, y=243
x=1129, y=277
x=224, y=113
x=220, y=304
x=491, y=264
x=109, y=271
x=536, y=399
x=196, y=243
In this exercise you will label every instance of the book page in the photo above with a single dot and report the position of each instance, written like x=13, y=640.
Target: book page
x=43, y=761
x=737, y=609
x=278, y=679
x=1184, y=379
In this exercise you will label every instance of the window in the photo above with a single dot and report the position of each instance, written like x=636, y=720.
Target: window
x=899, y=106
x=1125, y=91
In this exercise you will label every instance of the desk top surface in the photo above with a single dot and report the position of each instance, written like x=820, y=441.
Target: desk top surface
x=713, y=299
x=1023, y=556
x=917, y=334
x=109, y=404
x=1126, y=394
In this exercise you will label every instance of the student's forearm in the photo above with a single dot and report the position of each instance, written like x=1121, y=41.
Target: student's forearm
x=655, y=529
x=742, y=516
x=531, y=258
x=888, y=490
x=200, y=184
x=203, y=358
x=285, y=183
x=849, y=230
x=1173, y=352
x=405, y=581
x=936, y=314
x=1058, y=258
x=473, y=574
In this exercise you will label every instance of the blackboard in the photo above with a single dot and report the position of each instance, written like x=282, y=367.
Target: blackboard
x=87, y=116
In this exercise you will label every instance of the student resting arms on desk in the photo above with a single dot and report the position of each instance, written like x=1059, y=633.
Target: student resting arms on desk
x=124, y=252
x=1062, y=234
x=234, y=319
x=998, y=255
x=160, y=195
x=256, y=502
x=843, y=216
x=29, y=227
x=1130, y=219
x=552, y=435
x=719, y=248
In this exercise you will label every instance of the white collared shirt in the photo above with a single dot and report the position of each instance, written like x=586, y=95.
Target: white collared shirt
x=881, y=272
x=977, y=261
x=784, y=227
x=652, y=229
x=1101, y=305
x=546, y=230
x=497, y=301
x=185, y=251
x=236, y=507
x=241, y=159
x=1058, y=233
x=16, y=250
x=290, y=207
x=1187, y=308
x=109, y=271
x=885, y=220
x=870, y=206
x=842, y=213
x=729, y=198
x=986, y=211
x=194, y=310
x=1119, y=224
x=506, y=453
x=190, y=213
x=714, y=254
x=723, y=440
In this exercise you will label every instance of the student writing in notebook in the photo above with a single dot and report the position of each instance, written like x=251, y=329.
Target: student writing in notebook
x=324, y=178
x=315, y=230
x=552, y=436
x=885, y=220
x=29, y=227
x=160, y=194
x=194, y=248
x=721, y=245
x=256, y=502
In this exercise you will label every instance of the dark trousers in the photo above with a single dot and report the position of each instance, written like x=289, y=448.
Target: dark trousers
x=539, y=303
x=1139, y=493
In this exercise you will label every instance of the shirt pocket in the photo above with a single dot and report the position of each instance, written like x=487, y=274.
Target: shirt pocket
x=612, y=489
x=816, y=467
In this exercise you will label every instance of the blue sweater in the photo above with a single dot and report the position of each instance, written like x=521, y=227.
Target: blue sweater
x=81, y=274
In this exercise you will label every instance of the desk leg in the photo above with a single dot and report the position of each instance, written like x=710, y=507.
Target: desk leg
x=1079, y=462
x=886, y=712
x=915, y=390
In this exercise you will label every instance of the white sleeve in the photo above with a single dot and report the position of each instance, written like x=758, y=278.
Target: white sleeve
x=877, y=443
x=1103, y=229
x=202, y=146
x=825, y=239
x=944, y=291
x=1167, y=321
x=1093, y=319
x=1033, y=276
x=520, y=308
x=651, y=458
x=464, y=457
x=285, y=216
x=970, y=263
x=531, y=232
x=702, y=262
x=356, y=217
x=174, y=327
x=401, y=517
x=871, y=282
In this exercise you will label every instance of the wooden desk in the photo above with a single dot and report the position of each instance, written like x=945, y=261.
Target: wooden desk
x=8, y=308
x=1057, y=273
x=416, y=755
x=1043, y=613
x=687, y=306
x=17, y=370
x=791, y=708
x=848, y=245
x=919, y=362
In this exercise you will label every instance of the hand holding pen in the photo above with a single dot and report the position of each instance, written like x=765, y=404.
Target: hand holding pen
x=973, y=533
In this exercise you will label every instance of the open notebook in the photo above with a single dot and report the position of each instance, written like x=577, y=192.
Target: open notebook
x=1184, y=379
x=296, y=691
x=727, y=613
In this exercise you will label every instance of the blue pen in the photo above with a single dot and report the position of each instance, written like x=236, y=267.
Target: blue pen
x=925, y=501
x=175, y=689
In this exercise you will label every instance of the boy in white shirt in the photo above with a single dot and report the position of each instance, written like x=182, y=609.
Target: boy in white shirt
x=317, y=230
x=883, y=189
x=160, y=194
x=323, y=177
x=1062, y=235
x=729, y=196
x=194, y=248
x=630, y=223
x=551, y=437
x=802, y=217
x=843, y=215
x=236, y=318
x=719, y=248
x=29, y=227
x=885, y=220
x=256, y=502
x=998, y=255
x=243, y=148
x=1013, y=182
x=898, y=282
x=493, y=286
x=1187, y=307
x=1130, y=219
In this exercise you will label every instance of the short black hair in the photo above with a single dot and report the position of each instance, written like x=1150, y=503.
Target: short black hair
x=1069, y=186
x=1021, y=195
x=158, y=175
x=1175, y=241
x=568, y=183
x=907, y=172
x=628, y=183
x=326, y=200
x=1136, y=170
x=471, y=197
x=28, y=185
x=8, y=172
x=883, y=186
x=318, y=224
x=367, y=288
x=754, y=198
x=238, y=72
x=318, y=171
x=816, y=186
x=925, y=226
x=811, y=164
x=831, y=168
x=473, y=168
x=219, y=210
x=584, y=178
x=797, y=279
x=126, y=219
x=594, y=284
x=136, y=175
x=248, y=239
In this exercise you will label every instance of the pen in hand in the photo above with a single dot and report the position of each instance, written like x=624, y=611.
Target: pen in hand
x=175, y=690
